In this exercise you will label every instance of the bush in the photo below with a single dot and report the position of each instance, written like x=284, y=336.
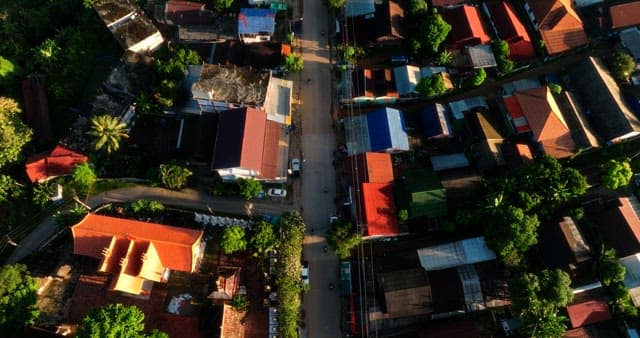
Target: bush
x=174, y=176
x=144, y=206
x=555, y=88
x=233, y=240
x=240, y=303
x=622, y=65
x=479, y=77
x=249, y=188
x=342, y=237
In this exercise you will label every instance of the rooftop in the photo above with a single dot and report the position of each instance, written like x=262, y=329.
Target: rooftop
x=379, y=214
x=467, y=251
x=588, y=313
x=256, y=20
x=232, y=84
x=511, y=29
x=560, y=26
x=58, y=162
x=618, y=224
x=407, y=293
x=625, y=15
x=466, y=26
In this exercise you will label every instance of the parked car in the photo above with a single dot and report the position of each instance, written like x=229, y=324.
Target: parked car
x=295, y=166
x=305, y=273
x=276, y=192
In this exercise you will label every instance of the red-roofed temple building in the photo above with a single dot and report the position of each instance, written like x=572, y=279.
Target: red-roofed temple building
x=58, y=162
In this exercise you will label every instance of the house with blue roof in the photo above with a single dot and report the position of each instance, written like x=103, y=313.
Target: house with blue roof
x=435, y=121
x=381, y=130
x=256, y=24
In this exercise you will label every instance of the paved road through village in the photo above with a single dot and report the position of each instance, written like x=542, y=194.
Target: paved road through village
x=321, y=305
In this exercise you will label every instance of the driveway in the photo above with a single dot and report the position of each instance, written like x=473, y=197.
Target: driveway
x=186, y=198
x=321, y=305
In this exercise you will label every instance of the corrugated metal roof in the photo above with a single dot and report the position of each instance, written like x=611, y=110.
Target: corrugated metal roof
x=481, y=56
x=387, y=130
x=359, y=7
x=631, y=40
x=435, y=121
x=256, y=20
x=443, y=256
x=459, y=107
x=450, y=161
x=591, y=312
x=357, y=134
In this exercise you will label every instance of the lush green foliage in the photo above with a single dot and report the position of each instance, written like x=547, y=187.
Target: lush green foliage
x=288, y=272
x=501, y=52
x=42, y=194
x=108, y=132
x=611, y=273
x=7, y=71
x=536, y=298
x=83, y=176
x=622, y=65
x=293, y=63
x=555, y=88
x=342, y=237
x=221, y=5
x=511, y=232
x=9, y=189
x=616, y=174
x=147, y=207
x=445, y=58
x=335, y=4
x=263, y=239
x=431, y=86
x=479, y=77
x=18, y=296
x=403, y=215
x=115, y=321
x=70, y=217
x=429, y=32
x=240, y=302
x=14, y=134
x=174, y=176
x=233, y=239
x=418, y=6
x=249, y=187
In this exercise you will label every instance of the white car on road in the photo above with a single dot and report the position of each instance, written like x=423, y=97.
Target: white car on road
x=305, y=273
x=275, y=192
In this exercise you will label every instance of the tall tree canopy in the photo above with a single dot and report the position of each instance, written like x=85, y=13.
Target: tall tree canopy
x=511, y=232
x=263, y=239
x=616, y=174
x=430, y=31
x=14, y=134
x=18, y=296
x=115, y=321
x=233, y=239
x=342, y=237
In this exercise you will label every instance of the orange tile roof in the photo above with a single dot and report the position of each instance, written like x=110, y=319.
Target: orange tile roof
x=560, y=26
x=174, y=246
x=591, y=312
x=379, y=209
x=511, y=29
x=517, y=116
x=625, y=15
x=546, y=121
x=379, y=167
x=524, y=151
x=232, y=320
x=466, y=26
x=59, y=162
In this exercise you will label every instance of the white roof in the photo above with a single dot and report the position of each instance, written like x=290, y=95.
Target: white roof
x=459, y=107
x=278, y=100
x=451, y=161
x=632, y=276
x=407, y=77
x=468, y=251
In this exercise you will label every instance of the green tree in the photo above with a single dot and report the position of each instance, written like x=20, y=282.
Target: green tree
x=478, y=77
x=432, y=30
x=174, y=176
x=263, y=239
x=150, y=207
x=115, y=321
x=430, y=86
x=42, y=194
x=511, y=232
x=249, y=187
x=293, y=63
x=221, y=5
x=70, y=217
x=555, y=88
x=501, y=52
x=621, y=303
x=233, y=240
x=9, y=188
x=616, y=174
x=47, y=54
x=342, y=237
x=610, y=271
x=240, y=302
x=418, y=7
x=14, y=134
x=18, y=296
x=335, y=4
x=83, y=176
x=622, y=65
x=108, y=132
x=8, y=70
x=445, y=58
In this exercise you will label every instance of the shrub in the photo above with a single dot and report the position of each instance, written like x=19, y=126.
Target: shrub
x=240, y=303
x=174, y=176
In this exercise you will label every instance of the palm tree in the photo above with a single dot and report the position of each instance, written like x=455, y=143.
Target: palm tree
x=108, y=131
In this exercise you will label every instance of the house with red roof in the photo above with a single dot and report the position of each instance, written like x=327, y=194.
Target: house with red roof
x=618, y=224
x=182, y=13
x=587, y=313
x=58, y=162
x=558, y=23
x=536, y=110
x=467, y=28
x=137, y=253
x=510, y=29
x=248, y=145
x=383, y=27
x=371, y=176
x=625, y=15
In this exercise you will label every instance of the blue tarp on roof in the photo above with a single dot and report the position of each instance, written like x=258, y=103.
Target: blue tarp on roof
x=256, y=20
x=430, y=121
x=387, y=130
